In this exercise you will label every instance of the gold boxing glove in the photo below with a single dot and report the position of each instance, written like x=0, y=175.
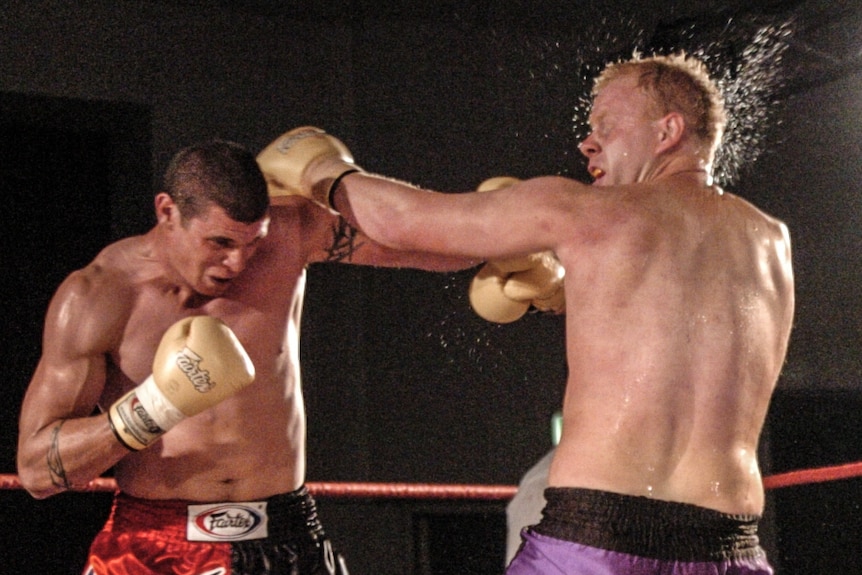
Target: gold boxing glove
x=199, y=363
x=504, y=290
x=306, y=162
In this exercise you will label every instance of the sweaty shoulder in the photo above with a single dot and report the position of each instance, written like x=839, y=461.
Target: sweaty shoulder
x=95, y=301
x=768, y=235
x=756, y=212
x=755, y=219
x=581, y=211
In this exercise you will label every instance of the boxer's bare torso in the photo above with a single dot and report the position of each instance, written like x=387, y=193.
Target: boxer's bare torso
x=253, y=444
x=679, y=305
x=106, y=321
x=679, y=300
x=678, y=316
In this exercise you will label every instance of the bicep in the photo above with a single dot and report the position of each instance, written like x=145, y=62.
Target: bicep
x=64, y=389
x=70, y=375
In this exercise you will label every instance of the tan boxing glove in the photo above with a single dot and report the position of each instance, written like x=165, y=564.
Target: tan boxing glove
x=504, y=290
x=553, y=303
x=497, y=183
x=199, y=363
x=306, y=162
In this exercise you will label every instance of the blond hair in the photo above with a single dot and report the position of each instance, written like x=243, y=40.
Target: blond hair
x=675, y=83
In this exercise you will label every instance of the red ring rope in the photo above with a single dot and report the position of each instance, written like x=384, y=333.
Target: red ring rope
x=343, y=489
x=814, y=475
x=475, y=492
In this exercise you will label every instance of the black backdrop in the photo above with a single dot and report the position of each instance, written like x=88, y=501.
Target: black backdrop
x=402, y=382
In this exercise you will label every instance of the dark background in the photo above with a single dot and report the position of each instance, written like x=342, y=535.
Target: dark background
x=402, y=382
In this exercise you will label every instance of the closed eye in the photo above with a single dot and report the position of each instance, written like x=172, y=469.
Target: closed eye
x=221, y=242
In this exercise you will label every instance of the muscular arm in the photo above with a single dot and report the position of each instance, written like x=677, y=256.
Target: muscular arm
x=61, y=443
x=521, y=219
x=340, y=240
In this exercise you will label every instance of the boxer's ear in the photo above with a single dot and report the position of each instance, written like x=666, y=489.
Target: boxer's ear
x=166, y=209
x=670, y=130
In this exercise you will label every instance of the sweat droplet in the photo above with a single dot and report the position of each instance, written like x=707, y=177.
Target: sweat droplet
x=744, y=57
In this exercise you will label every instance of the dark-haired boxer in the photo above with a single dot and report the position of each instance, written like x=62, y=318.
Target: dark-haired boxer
x=210, y=464
x=679, y=304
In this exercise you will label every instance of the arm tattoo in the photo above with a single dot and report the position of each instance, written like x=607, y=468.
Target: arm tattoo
x=343, y=242
x=55, y=464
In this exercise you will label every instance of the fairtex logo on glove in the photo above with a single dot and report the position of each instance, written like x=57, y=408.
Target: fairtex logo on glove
x=296, y=135
x=146, y=421
x=189, y=363
x=227, y=521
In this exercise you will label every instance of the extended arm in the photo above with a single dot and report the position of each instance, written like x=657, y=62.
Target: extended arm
x=344, y=242
x=517, y=221
x=291, y=160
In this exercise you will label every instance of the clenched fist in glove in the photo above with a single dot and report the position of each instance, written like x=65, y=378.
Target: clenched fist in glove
x=504, y=290
x=199, y=363
x=306, y=162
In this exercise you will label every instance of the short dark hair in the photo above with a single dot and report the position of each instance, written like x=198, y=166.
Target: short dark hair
x=217, y=172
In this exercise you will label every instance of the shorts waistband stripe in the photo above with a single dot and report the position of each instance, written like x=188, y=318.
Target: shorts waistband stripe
x=647, y=527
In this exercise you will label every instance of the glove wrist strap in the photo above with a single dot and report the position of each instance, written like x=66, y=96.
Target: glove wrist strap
x=330, y=193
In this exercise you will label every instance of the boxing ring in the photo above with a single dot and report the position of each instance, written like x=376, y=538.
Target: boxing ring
x=423, y=514
x=473, y=492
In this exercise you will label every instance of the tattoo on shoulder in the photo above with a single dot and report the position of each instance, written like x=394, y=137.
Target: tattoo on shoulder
x=55, y=464
x=344, y=242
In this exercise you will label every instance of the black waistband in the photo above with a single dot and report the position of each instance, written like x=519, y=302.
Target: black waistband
x=647, y=527
x=291, y=515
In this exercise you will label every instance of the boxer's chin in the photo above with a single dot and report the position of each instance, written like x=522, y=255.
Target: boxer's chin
x=214, y=286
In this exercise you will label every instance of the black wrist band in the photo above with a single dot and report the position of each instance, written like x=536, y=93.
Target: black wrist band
x=335, y=185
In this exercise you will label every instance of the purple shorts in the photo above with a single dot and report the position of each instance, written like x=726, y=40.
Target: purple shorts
x=588, y=532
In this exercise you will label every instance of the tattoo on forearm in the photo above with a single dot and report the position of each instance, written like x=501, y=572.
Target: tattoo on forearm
x=343, y=241
x=55, y=464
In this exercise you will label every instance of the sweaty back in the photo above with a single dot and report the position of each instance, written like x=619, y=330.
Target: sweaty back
x=672, y=347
